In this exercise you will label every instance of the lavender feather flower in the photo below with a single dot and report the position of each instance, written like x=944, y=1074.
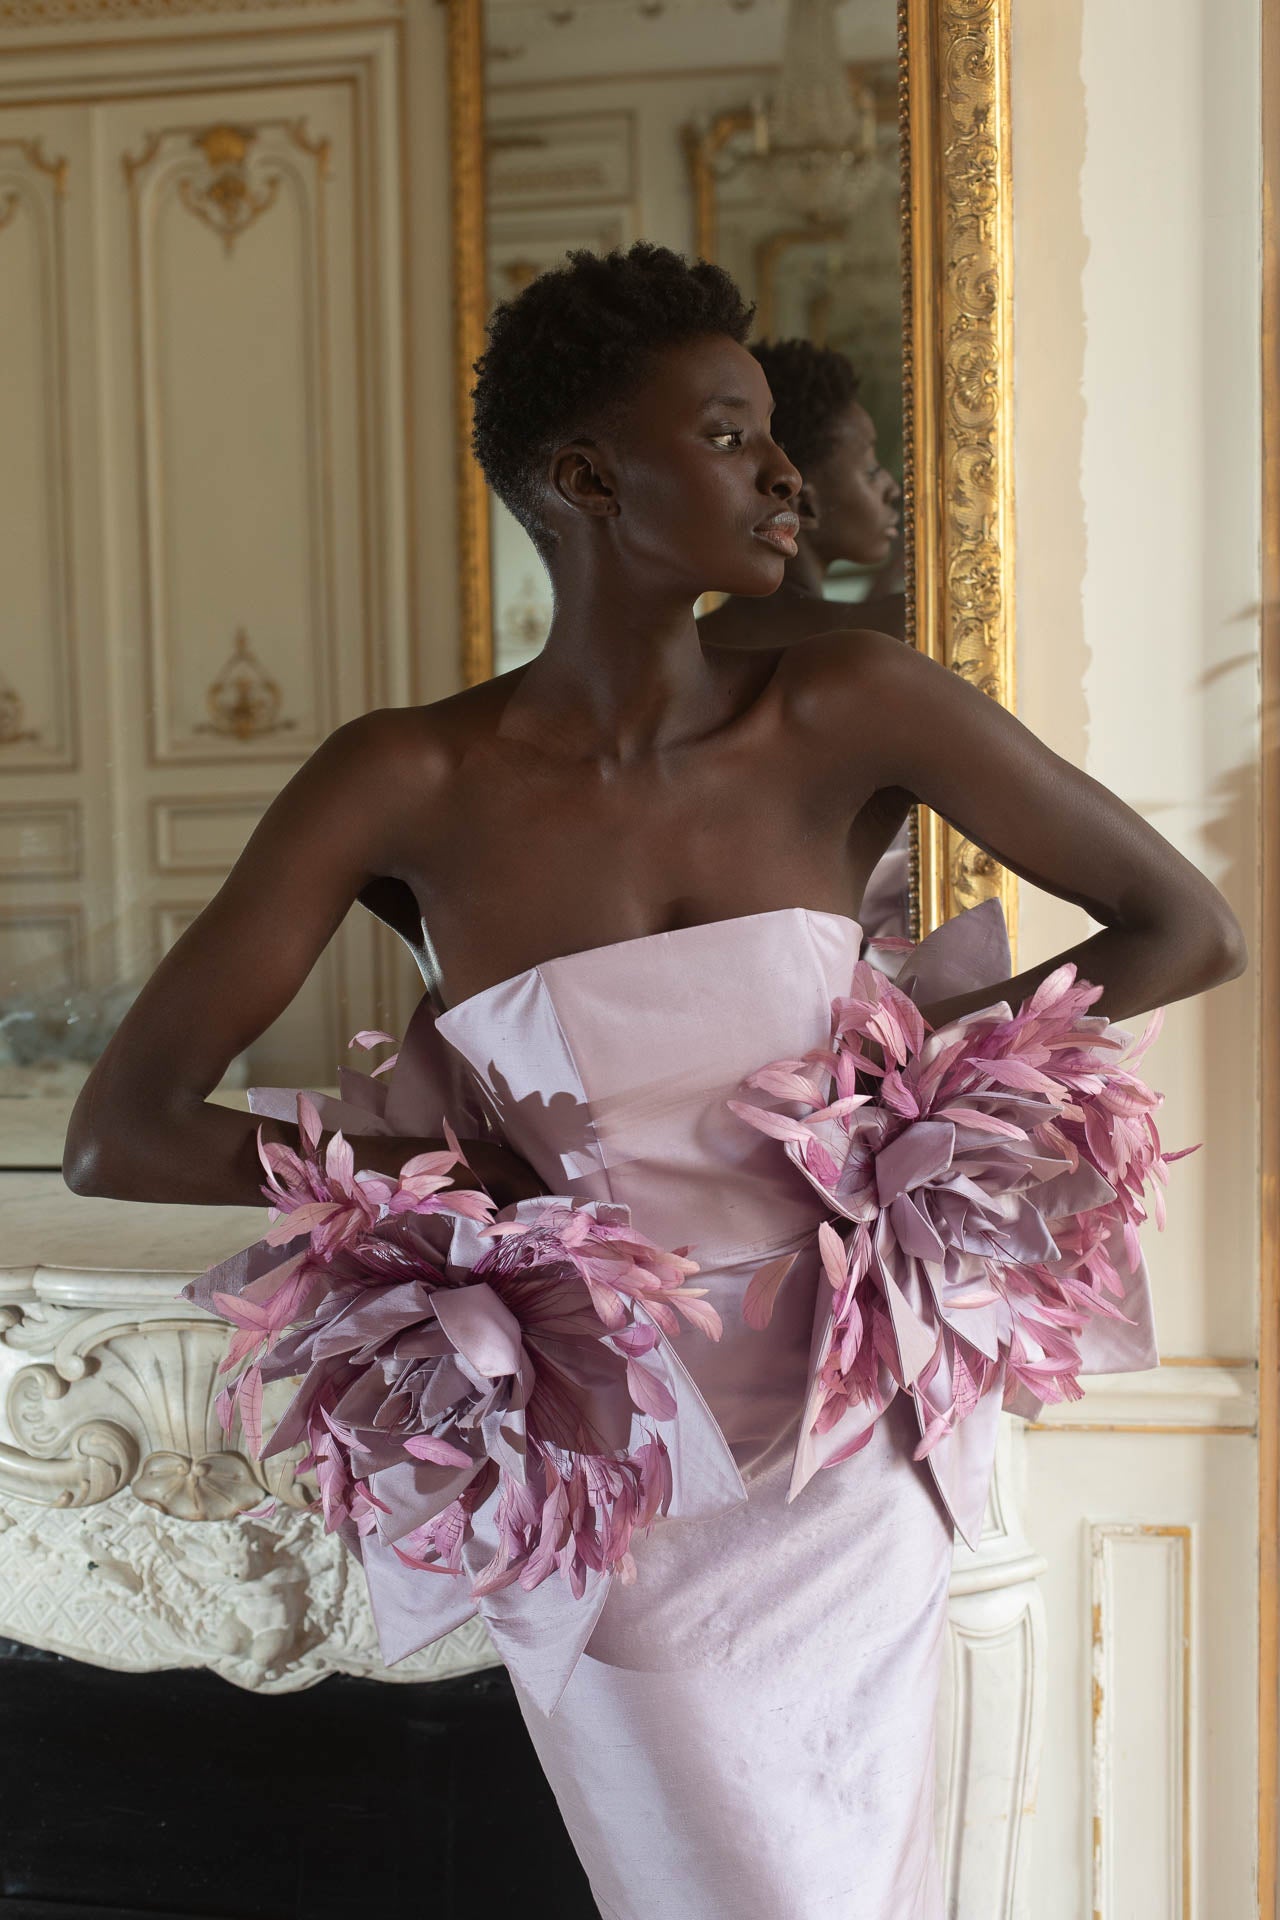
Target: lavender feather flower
x=978, y=1196
x=451, y=1360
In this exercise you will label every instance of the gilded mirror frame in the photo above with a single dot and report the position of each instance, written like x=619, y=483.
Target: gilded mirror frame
x=957, y=253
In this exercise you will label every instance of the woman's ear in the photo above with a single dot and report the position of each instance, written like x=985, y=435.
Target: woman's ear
x=579, y=479
x=805, y=506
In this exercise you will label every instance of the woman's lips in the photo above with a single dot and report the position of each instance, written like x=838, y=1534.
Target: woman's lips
x=779, y=531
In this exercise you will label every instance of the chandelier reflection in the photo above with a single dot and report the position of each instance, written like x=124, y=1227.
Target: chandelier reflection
x=815, y=142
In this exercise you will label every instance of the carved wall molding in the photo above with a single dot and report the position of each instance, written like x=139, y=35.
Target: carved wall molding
x=229, y=176
x=38, y=183
x=1160, y=1560
x=41, y=842
x=1206, y=1396
x=58, y=930
x=54, y=13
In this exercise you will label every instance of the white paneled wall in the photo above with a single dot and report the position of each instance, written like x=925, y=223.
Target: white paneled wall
x=205, y=497
x=1137, y=293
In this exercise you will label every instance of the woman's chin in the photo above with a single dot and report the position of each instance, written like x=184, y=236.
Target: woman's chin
x=758, y=581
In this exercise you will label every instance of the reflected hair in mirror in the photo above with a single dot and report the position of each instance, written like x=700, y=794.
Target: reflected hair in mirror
x=813, y=388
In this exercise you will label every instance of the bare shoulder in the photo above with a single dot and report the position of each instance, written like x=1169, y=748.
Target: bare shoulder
x=830, y=677
x=363, y=797
x=395, y=761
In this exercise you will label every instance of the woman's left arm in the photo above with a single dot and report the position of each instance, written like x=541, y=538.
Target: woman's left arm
x=1166, y=933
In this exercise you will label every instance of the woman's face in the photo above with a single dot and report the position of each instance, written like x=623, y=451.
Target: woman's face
x=703, y=498
x=850, y=508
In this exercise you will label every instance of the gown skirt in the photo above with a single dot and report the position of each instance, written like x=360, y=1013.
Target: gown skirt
x=749, y=1733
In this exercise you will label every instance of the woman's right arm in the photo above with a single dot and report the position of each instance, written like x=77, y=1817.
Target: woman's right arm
x=142, y=1128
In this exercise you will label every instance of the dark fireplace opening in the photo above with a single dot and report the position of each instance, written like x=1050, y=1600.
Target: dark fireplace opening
x=176, y=1796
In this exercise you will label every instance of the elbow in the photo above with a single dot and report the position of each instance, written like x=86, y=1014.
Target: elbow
x=1222, y=953
x=99, y=1149
x=1235, y=953
x=85, y=1167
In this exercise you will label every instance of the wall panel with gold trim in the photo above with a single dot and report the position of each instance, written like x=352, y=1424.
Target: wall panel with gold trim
x=210, y=526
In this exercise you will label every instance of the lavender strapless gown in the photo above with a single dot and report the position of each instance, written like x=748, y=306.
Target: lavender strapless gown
x=748, y=1734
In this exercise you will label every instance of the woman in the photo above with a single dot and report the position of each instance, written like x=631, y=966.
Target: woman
x=634, y=862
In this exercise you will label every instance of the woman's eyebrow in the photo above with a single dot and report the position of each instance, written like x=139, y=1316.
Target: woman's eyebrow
x=725, y=400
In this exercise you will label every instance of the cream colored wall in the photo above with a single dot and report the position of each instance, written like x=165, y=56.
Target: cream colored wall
x=1136, y=168
x=1136, y=312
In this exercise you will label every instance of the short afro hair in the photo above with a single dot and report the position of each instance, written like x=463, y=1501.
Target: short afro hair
x=575, y=342
x=811, y=387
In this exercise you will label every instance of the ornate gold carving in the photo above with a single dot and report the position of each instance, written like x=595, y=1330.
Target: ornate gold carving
x=34, y=154
x=225, y=198
x=466, y=155
x=243, y=700
x=957, y=199
x=12, y=711
x=225, y=201
x=1267, y=961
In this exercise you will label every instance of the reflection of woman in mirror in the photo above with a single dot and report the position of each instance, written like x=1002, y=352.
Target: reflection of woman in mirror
x=847, y=505
x=637, y=858
x=848, y=512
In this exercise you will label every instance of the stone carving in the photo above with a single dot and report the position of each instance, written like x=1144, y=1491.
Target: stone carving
x=272, y=1604
x=119, y=1536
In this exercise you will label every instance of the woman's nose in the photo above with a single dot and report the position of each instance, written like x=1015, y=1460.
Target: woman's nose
x=782, y=478
x=893, y=491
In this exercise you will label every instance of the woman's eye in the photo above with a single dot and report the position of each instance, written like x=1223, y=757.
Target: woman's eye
x=731, y=437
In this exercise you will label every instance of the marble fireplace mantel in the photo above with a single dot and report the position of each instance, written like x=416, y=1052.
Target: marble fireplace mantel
x=118, y=1537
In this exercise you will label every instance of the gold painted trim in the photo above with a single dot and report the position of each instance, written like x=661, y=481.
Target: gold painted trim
x=1248, y=1360
x=701, y=150
x=958, y=372
x=466, y=151
x=1247, y=1430
x=1268, y=1002
x=1099, y=1536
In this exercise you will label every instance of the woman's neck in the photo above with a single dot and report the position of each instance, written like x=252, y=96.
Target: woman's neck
x=622, y=674
x=805, y=574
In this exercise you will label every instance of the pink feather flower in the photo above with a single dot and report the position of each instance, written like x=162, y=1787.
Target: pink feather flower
x=981, y=1195
x=450, y=1361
